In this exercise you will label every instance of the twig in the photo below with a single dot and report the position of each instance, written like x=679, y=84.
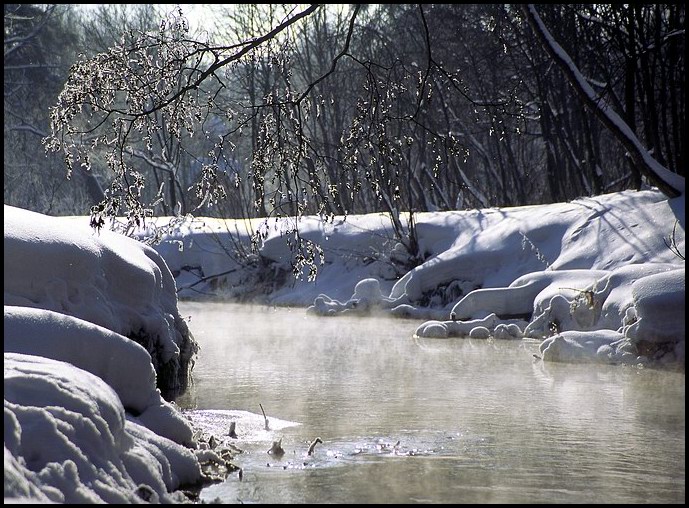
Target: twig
x=588, y=295
x=264, y=416
x=313, y=445
x=208, y=277
x=672, y=243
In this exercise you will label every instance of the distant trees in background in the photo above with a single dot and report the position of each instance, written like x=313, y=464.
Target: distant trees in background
x=39, y=48
x=339, y=110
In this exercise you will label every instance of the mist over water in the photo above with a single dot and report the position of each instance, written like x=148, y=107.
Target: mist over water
x=405, y=420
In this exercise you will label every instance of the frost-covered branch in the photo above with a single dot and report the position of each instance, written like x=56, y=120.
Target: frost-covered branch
x=146, y=90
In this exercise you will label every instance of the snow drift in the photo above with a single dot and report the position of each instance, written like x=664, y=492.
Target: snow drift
x=106, y=279
x=91, y=334
x=67, y=440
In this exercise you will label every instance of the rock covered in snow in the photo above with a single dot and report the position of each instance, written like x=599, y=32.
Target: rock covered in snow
x=366, y=298
x=658, y=299
x=603, y=346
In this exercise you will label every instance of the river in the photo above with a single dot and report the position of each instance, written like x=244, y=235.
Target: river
x=406, y=420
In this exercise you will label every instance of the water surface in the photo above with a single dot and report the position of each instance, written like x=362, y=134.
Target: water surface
x=428, y=420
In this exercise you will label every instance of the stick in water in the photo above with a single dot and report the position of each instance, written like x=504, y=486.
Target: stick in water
x=264, y=416
x=232, y=432
x=313, y=445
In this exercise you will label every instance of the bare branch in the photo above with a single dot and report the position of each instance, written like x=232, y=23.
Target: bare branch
x=670, y=183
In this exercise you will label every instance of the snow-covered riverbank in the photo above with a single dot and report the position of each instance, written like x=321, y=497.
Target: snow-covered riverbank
x=597, y=279
x=84, y=419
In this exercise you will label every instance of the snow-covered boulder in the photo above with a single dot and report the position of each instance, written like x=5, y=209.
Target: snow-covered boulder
x=367, y=297
x=602, y=346
x=658, y=300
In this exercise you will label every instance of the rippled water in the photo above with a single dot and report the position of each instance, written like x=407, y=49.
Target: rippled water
x=441, y=421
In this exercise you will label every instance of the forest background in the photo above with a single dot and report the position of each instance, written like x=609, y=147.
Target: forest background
x=397, y=108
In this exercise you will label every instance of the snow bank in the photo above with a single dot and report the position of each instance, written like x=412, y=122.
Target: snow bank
x=594, y=279
x=84, y=419
x=204, y=251
x=206, y=257
x=539, y=271
x=124, y=365
x=67, y=440
x=106, y=279
x=598, y=233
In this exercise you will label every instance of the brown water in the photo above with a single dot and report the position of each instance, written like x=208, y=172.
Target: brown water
x=439, y=421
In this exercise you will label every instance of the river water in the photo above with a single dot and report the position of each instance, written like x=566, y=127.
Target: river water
x=407, y=420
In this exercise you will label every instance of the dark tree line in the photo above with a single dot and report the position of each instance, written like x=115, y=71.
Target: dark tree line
x=34, y=73
x=286, y=110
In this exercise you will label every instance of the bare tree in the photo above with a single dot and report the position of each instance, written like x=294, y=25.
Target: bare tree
x=670, y=183
x=129, y=94
x=392, y=108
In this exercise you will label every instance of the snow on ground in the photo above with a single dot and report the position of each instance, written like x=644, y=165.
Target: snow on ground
x=66, y=338
x=67, y=440
x=84, y=419
x=210, y=256
x=565, y=273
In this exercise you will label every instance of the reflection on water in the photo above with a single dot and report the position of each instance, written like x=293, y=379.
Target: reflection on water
x=440, y=421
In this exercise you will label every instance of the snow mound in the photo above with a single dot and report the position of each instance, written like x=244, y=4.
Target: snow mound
x=67, y=440
x=106, y=279
x=103, y=353
x=367, y=297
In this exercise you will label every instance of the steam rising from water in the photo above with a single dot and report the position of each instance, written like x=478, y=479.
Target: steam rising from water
x=476, y=420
